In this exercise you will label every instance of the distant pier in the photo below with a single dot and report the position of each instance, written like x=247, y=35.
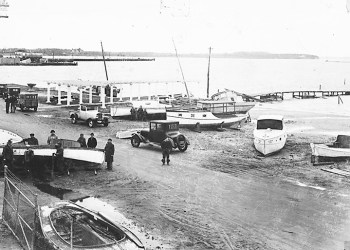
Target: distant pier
x=113, y=59
x=304, y=94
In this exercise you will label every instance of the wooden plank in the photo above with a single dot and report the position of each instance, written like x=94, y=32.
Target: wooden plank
x=337, y=171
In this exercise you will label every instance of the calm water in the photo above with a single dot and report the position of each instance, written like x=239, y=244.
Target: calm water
x=244, y=75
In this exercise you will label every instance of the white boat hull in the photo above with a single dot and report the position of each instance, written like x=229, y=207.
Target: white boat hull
x=326, y=151
x=206, y=119
x=81, y=154
x=7, y=135
x=269, y=141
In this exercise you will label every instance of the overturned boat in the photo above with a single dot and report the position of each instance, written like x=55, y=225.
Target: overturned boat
x=67, y=225
x=270, y=135
x=338, y=149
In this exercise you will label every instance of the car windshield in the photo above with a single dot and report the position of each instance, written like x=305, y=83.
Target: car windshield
x=269, y=123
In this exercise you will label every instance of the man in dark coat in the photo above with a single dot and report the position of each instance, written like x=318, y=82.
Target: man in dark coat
x=7, y=100
x=32, y=140
x=92, y=142
x=109, y=153
x=13, y=102
x=51, y=140
x=7, y=154
x=59, y=158
x=166, y=145
x=82, y=141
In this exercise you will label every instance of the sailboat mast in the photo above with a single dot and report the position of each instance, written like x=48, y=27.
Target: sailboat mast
x=208, y=73
x=104, y=61
x=183, y=77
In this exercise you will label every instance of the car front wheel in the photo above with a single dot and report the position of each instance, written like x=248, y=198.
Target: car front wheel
x=181, y=143
x=91, y=123
x=135, y=141
x=74, y=119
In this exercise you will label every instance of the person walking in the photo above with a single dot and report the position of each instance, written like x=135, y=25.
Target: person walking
x=32, y=140
x=166, y=145
x=82, y=141
x=92, y=142
x=51, y=140
x=7, y=101
x=109, y=153
x=7, y=154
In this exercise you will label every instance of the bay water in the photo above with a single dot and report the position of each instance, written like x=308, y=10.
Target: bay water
x=251, y=76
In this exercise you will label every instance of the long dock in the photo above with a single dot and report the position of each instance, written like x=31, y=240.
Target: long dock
x=300, y=94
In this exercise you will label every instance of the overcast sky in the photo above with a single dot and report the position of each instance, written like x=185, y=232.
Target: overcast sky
x=320, y=27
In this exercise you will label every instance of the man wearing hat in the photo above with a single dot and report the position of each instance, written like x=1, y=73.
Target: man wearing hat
x=92, y=142
x=109, y=153
x=32, y=140
x=51, y=140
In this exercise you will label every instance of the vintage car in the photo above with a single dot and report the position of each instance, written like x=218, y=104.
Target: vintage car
x=28, y=101
x=158, y=131
x=90, y=115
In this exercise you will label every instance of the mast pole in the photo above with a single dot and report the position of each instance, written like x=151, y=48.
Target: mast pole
x=104, y=61
x=183, y=77
x=208, y=73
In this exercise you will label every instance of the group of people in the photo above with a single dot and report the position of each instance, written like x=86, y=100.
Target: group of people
x=11, y=101
x=59, y=165
x=138, y=114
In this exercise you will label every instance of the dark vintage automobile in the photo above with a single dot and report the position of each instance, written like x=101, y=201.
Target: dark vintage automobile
x=28, y=101
x=158, y=131
x=12, y=91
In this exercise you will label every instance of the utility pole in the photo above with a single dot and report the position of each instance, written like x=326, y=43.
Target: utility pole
x=208, y=73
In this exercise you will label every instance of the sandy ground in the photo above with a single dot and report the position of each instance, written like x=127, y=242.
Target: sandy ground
x=220, y=193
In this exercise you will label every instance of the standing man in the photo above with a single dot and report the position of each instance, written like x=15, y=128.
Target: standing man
x=32, y=140
x=140, y=113
x=82, y=141
x=28, y=161
x=7, y=100
x=59, y=158
x=166, y=145
x=109, y=153
x=51, y=140
x=92, y=142
x=7, y=154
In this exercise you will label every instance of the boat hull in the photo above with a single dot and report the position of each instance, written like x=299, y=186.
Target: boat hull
x=90, y=229
x=204, y=119
x=81, y=154
x=268, y=142
x=325, y=151
x=7, y=135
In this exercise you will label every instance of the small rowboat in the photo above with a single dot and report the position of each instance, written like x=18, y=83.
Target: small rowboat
x=340, y=148
x=270, y=135
x=67, y=225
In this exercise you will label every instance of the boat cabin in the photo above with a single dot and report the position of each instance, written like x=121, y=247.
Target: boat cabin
x=274, y=122
x=218, y=107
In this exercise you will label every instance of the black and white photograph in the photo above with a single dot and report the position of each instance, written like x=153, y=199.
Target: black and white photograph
x=175, y=124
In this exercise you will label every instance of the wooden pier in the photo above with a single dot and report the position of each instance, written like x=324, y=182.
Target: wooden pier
x=300, y=94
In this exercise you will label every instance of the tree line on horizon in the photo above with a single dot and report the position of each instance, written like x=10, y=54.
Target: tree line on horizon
x=80, y=52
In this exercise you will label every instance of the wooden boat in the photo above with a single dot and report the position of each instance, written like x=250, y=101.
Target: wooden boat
x=8, y=135
x=152, y=107
x=235, y=102
x=193, y=117
x=340, y=148
x=72, y=150
x=67, y=225
x=269, y=135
